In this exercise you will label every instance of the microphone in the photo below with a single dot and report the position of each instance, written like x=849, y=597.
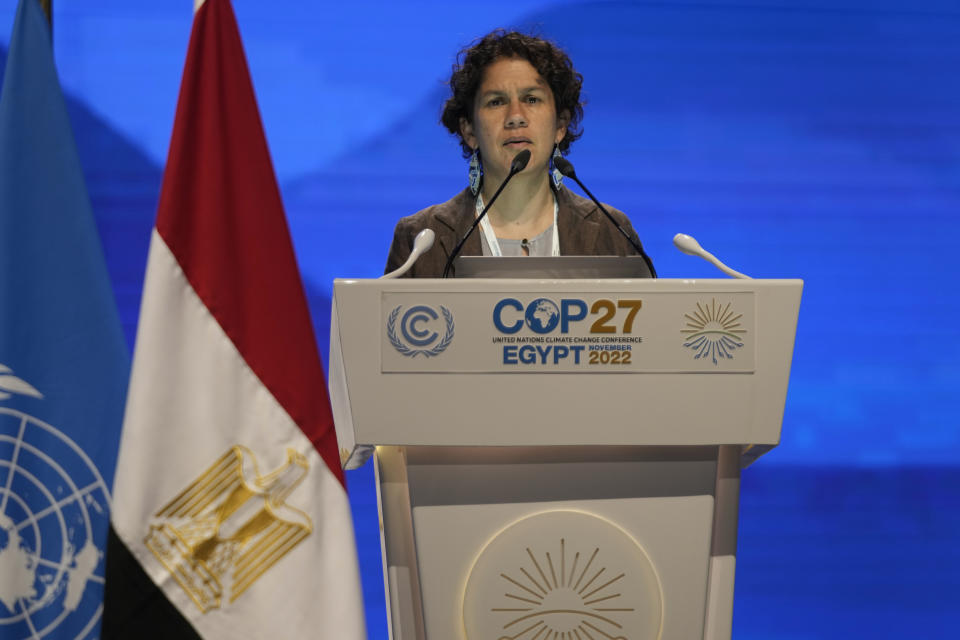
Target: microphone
x=519, y=164
x=563, y=165
x=690, y=246
x=421, y=244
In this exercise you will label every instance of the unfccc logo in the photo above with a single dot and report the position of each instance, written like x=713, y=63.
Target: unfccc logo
x=420, y=328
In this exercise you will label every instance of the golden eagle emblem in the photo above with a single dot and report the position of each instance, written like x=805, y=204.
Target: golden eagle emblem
x=229, y=526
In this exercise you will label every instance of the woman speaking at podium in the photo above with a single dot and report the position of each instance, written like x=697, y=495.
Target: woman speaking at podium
x=512, y=93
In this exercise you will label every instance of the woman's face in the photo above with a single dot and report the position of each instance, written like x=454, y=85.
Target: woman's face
x=512, y=111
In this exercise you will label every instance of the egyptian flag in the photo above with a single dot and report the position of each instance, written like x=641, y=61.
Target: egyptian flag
x=230, y=518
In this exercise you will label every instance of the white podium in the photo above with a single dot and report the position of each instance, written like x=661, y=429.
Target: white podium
x=560, y=458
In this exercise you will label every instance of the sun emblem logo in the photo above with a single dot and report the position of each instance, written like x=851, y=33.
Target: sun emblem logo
x=713, y=331
x=563, y=604
x=563, y=575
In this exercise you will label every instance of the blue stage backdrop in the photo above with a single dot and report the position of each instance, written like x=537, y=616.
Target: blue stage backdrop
x=800, y=138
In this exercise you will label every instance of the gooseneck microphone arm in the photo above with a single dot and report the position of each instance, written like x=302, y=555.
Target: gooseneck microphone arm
x=421, y=244
x=690, y=246
x=566, y=168
x=519, y=164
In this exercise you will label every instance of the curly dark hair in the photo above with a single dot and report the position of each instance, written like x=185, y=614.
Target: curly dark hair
x=550, y=61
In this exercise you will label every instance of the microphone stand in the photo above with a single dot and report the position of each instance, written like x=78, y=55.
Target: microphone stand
x=519, y=164
x=566, y=168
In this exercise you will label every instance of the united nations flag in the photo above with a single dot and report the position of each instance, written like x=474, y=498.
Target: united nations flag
x=63, y=360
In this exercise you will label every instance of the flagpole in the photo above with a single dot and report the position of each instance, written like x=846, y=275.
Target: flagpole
x=47, y=6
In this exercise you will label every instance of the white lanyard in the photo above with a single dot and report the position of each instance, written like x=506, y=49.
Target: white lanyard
x=491, y=237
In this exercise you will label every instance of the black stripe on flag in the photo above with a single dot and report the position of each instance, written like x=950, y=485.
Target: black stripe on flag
x=135, y=607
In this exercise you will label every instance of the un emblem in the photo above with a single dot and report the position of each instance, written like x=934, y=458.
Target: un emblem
x=419, y=330
x=54, y=511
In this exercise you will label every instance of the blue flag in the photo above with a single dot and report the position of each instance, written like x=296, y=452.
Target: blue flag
x=63, y=360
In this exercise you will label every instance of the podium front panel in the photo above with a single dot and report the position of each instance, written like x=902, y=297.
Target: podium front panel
x=508, y=362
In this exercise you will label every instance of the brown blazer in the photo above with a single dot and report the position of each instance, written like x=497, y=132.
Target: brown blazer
x=584, y=231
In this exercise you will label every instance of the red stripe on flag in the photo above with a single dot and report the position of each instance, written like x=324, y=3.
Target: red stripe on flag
x=221, y=215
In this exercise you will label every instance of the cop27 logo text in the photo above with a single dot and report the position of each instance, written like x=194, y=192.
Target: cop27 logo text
x=544, y=331
x=419, y=330
x=543, y=315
